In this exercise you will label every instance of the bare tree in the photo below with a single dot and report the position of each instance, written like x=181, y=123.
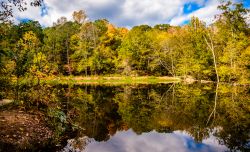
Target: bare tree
x=6, y=10
x=79, y=16
x=210, y=43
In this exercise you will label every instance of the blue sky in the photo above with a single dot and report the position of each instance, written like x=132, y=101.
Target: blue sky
x=126, y=13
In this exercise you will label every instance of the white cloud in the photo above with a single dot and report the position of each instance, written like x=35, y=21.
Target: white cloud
x=205, y=13
x=151, y=11
x=123, y=12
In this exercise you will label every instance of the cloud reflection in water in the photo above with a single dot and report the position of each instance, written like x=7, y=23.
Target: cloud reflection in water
x=129, y=141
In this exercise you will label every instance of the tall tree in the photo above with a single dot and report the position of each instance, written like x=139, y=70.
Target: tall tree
x=135, y=51
x=57, y=42
x=79, y=16
x=233, y=32
x=24, y=52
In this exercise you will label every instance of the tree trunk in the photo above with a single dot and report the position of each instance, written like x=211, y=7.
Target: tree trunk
x=68, y=61
x=211, y=47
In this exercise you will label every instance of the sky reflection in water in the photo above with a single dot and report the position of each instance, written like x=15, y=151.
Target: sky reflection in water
x=184, y=114
x=129, y=141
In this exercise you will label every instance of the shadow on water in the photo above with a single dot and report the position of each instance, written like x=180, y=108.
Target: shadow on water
x=159, y=117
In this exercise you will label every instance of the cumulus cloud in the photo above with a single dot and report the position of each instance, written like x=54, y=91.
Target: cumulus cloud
x=126, y=13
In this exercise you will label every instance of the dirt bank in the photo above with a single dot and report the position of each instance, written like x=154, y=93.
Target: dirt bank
x=21, y=130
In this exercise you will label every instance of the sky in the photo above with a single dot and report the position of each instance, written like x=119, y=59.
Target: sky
x=125, y=13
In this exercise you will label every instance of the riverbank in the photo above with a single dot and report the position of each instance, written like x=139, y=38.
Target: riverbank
x=21, y=130
x=116, y=80
x=113, y=80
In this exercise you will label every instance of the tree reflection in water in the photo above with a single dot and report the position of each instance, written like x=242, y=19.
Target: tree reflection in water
x=203, y=111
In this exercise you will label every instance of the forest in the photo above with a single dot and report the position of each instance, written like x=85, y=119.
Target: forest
x=85, y=84
x=216, y=52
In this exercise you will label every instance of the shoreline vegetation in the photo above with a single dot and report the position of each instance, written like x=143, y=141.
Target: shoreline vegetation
x=112, y=80
x=116, y=80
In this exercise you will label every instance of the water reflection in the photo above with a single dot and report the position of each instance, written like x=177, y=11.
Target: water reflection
x=129, y=141
x=119, y=117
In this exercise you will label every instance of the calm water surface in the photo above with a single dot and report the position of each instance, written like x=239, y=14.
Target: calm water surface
x=144, y=118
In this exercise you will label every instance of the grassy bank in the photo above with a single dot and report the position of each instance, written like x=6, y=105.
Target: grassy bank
x=112, y=80
x=117, y=80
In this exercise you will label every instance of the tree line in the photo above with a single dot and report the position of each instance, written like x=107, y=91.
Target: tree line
x=218, y=52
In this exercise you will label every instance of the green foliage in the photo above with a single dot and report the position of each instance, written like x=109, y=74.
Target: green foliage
x=233, y=40
x=216, y=52
x=33, y=26
x=135, y=51
x=233, y=17
x=162, y=27
x=23, y=53
x=57, y=46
